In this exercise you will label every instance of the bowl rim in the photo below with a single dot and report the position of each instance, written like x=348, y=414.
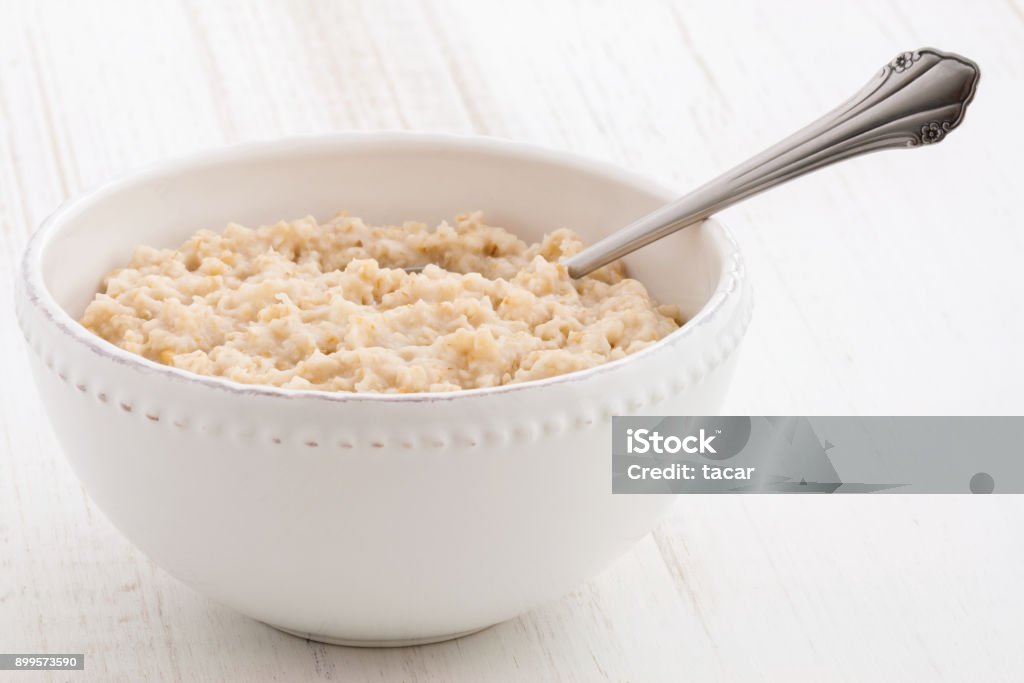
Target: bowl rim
x=39, y=297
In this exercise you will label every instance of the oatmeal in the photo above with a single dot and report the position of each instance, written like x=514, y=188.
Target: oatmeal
x=327, y=306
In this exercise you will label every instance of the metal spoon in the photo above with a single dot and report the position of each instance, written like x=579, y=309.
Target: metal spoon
x=915, y=100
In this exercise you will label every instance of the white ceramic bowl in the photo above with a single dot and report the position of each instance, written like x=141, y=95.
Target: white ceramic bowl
x=360, y=518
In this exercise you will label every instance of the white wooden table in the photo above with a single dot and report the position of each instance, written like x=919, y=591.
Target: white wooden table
x=890, y=285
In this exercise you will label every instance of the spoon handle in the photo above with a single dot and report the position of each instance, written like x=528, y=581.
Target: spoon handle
x=915, y=100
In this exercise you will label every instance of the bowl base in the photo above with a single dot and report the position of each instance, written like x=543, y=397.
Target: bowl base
x=408, y=642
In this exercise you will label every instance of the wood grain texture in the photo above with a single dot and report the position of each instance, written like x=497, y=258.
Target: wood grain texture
x=889, y=285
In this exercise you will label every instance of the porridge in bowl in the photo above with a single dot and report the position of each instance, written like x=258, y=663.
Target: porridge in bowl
x=327, y=306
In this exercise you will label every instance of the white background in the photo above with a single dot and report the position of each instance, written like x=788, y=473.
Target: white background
x=889, y=285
